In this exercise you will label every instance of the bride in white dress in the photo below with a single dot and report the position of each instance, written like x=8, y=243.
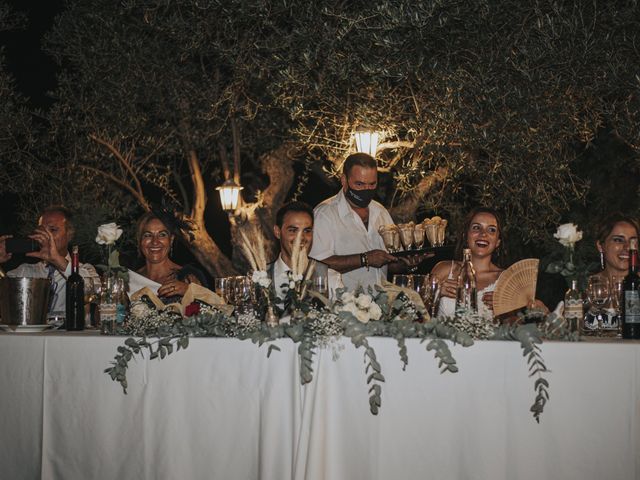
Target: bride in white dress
x=482, y=233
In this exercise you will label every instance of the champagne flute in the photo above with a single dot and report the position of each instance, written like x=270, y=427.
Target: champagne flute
x=598, y=294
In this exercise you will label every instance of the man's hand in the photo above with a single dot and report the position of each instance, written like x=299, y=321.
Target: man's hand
x=48, y=249
x=379, y=258
x=4, y=256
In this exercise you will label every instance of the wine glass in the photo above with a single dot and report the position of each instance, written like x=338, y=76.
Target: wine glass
x=418, y=236
x=92, y=288
x=440, y=233
x=388, y=232
x=431, y=232
x=221, y=287
x=406, y=235
x=403, y=280
x=617, y=290
x=598, y=294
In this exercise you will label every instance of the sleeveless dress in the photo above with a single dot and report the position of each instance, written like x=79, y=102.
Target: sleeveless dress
x=447, y=306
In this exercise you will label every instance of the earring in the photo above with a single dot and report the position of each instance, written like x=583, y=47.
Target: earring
x=171, y=250
x=602, y=259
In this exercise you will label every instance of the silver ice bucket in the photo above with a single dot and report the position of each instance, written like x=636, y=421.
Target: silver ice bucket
x=24, y=301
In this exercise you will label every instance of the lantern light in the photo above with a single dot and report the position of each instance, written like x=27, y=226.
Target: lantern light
x=367, y=142
x=229, y=195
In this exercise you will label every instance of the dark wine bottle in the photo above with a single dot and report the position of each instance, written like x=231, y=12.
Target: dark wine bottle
x=631, y=295
x=74, y=319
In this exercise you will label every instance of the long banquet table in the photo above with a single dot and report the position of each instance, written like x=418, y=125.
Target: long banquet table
x=223, y=410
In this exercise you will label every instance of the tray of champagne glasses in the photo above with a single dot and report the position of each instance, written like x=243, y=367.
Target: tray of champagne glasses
x=440, y=251
x=408, y=239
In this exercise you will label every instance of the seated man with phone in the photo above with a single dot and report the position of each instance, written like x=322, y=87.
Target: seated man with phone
x=49, y=242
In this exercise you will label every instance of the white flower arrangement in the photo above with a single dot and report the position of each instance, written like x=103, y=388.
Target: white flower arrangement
x=261, y=277
x=108, y=235
x=361, y=306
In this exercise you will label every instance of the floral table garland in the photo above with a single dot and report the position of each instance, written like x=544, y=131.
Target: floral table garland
x=356, y=316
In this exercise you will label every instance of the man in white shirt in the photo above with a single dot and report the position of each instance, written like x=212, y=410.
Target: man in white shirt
x=292, y=218
x=345, y=234
x=54, y=232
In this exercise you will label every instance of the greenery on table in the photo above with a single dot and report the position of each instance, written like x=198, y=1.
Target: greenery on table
x=308, y=327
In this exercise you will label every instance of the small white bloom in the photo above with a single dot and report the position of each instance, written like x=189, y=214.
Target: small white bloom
x=363, y=316
x=363, y=301
x=108, y=234
x=292, y=285
x=258, y=275
x=568, y=234
x=347, y=297
x=297, y=278
x=264, y=282
x=375, y=311
x=139, y=309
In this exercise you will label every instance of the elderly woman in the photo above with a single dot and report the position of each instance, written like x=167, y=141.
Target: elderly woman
x=482, y=233
x=155, y=241
x=612, y=242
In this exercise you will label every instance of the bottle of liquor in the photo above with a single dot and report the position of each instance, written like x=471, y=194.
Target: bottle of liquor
x=74, y=319
x=573, y=307
x=467, y=294
x=631, y=295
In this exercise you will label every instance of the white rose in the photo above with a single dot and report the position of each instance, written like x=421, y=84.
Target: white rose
x=258, y=275
x=363, y=316
x=568, y=234
x=375, y=311
x=363, y=301
x=347, y=297
x=108, y=234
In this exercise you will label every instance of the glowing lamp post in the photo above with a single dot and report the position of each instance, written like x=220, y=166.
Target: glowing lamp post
x=229, y=195
x=367, y=142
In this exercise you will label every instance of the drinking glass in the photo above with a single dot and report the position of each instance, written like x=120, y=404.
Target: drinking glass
x=388, y=232
x=418, y=236
x=598, y=294
x=440, y=233
x=91, y=296
x=431, y=232
x=244, y=293
x=221, y=287
x=406, y=235
x=616, y=299
x=403, y=280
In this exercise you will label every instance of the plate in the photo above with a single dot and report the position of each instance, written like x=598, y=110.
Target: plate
x=25, y=328
x=444, y=251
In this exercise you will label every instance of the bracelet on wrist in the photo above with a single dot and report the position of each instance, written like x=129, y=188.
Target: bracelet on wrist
x=364, y=260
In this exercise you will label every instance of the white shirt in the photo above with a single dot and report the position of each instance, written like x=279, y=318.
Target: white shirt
x=338, y=230
x=59, y=289
x=280, y=277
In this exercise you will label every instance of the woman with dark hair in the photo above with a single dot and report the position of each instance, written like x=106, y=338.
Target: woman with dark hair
x=612, y=242
x=482, y=233
x=155, y=238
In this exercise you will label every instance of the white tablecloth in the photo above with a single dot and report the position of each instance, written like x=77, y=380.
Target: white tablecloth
x=222, y=410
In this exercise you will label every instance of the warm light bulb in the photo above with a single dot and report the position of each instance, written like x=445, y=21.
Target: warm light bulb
x=367, y=142
x=229, y=195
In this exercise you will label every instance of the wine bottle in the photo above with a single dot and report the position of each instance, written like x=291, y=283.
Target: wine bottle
x=573, y=307
x=74, y=319
x=631, y=295
x=467, y=295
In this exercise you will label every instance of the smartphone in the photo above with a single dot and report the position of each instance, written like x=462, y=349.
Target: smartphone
x=21, y=245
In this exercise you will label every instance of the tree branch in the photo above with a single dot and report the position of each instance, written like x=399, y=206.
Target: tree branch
x=137, y=195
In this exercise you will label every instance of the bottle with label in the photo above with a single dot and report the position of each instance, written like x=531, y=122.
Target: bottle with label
x=467, y=294
x=74, y=319
x=573, y=307
x=107, y=307
x=630, y=308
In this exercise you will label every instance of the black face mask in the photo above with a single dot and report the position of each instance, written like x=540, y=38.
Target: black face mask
x=360, y=198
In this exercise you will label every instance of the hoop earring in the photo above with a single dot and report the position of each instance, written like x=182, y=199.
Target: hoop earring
x=601, y=259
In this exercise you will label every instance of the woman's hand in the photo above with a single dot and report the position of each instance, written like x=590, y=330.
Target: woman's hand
x=487, y=299
x=4, y=256
x=173, y=287
x=449, y=288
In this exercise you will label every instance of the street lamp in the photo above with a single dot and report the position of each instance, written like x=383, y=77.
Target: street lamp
x=367, y=142
x=229, y=195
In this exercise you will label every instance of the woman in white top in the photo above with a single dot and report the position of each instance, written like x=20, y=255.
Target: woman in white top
x=482, y=234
